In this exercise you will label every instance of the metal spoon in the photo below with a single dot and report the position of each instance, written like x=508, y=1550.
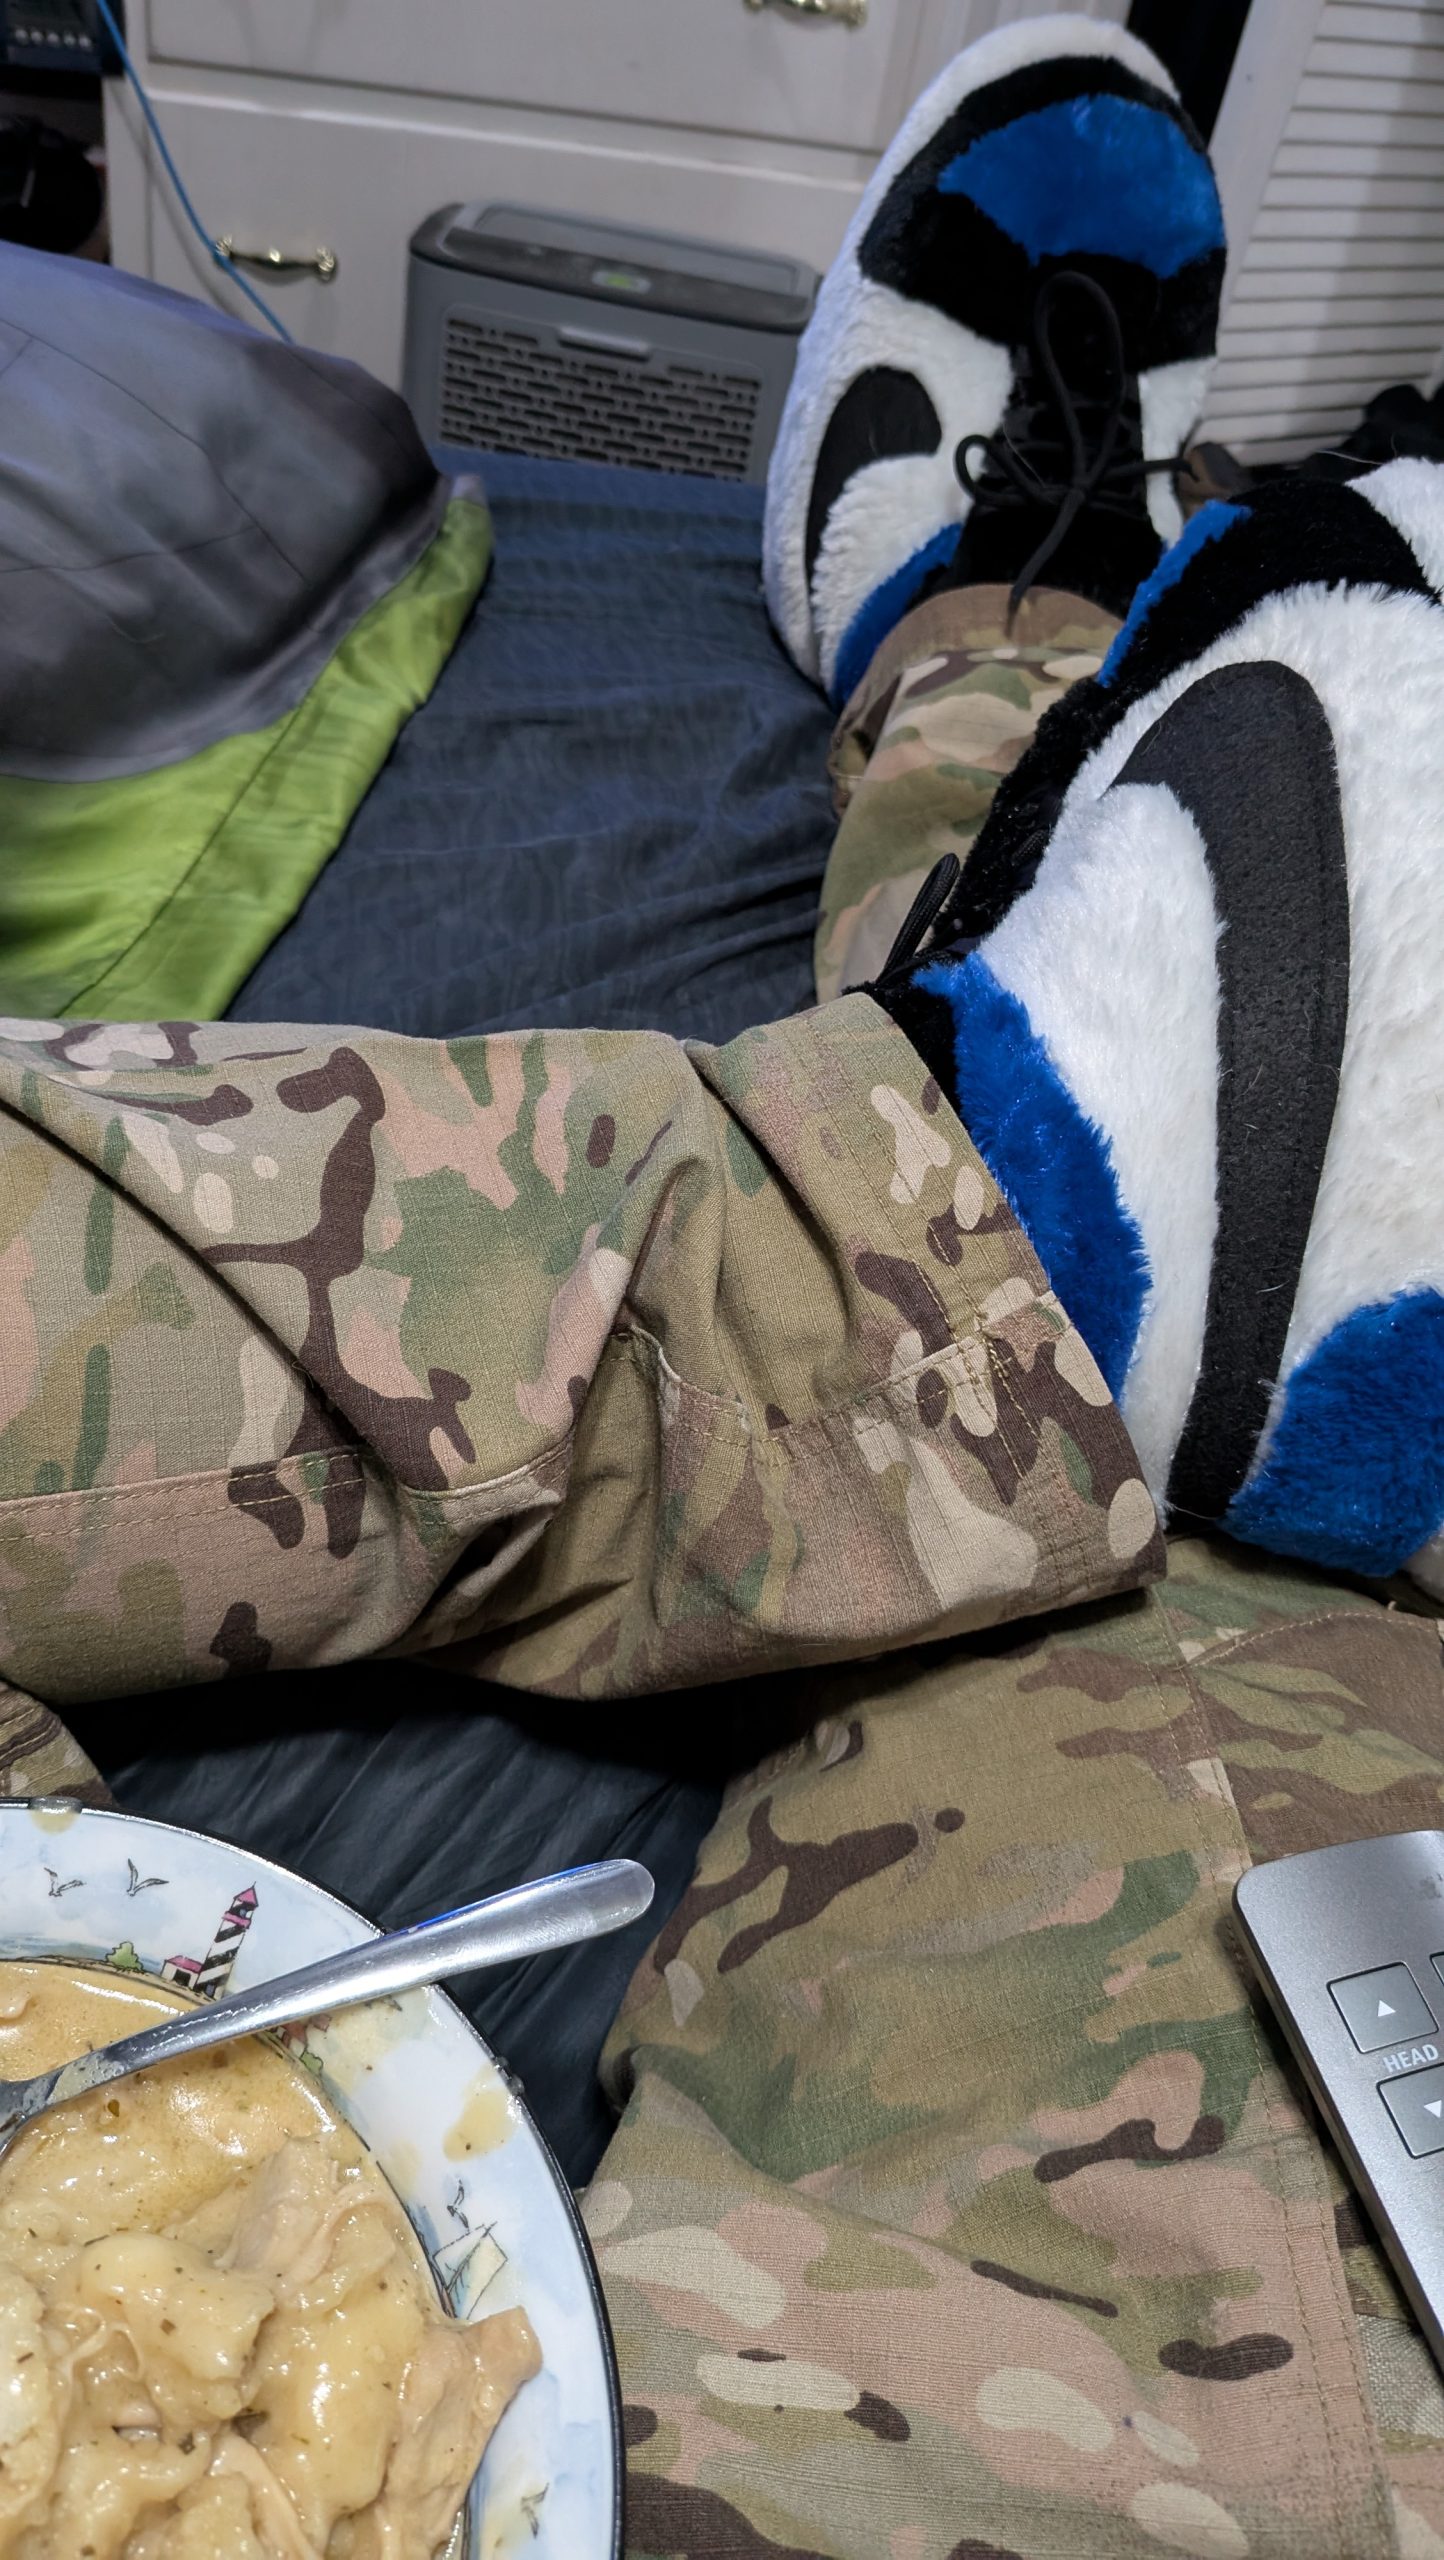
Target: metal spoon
x=530, y=1920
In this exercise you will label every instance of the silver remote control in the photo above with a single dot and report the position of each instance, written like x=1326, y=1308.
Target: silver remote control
x=1349, y=1945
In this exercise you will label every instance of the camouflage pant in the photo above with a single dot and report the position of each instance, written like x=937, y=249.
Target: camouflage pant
x=959, y=2207
x=592, y=1362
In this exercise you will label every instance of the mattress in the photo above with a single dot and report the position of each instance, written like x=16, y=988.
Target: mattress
x=614, y=808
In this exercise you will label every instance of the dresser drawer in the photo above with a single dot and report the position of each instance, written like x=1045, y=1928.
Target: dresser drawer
x=304, y=180
x=714, y=65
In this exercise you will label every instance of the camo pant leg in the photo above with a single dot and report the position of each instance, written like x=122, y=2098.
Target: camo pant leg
x=592, y=1363
x=964, y=2207
x=38, y=1757
x=948, y=705
x=318, y=1343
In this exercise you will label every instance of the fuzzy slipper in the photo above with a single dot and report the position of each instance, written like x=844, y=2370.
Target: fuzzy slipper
x=1008, y=351
x=1189, y=998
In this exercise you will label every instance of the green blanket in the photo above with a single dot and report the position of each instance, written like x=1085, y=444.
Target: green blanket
x=224, y=597
x=153, y=895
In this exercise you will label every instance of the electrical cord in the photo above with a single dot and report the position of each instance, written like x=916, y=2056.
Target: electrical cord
x=216, y=255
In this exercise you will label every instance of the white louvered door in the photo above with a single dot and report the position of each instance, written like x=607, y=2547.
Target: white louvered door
x=1339, y=289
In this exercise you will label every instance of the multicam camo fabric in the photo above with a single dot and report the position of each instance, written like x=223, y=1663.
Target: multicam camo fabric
x=947, y=707
x=962, y=2210
x=39, y=1758
x=604, y=1366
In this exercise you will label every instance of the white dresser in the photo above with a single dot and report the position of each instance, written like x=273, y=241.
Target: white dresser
x=334, y=126
x=337, y=125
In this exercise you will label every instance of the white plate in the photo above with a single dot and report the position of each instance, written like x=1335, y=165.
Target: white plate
x=424, y=2093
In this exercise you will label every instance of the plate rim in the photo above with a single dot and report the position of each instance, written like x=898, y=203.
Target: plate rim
x=515, y=2089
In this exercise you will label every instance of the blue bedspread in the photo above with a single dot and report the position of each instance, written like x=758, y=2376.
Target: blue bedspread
x=612, y=811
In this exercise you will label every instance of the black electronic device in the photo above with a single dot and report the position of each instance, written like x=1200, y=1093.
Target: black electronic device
x=56, y=35
x=1349, y=1946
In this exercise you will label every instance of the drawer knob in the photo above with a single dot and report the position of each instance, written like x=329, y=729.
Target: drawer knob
x=276, y=262
x=852, y=13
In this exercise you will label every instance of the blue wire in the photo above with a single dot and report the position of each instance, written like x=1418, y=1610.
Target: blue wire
x=217, y=256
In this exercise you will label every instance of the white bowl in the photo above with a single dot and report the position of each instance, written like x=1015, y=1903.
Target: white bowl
x=493, y=2212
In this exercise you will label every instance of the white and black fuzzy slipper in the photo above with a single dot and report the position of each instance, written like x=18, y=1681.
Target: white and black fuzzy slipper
x=1189, y=996
x=1033, y=276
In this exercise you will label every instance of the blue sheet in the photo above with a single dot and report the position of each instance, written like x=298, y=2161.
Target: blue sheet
x=613, y=810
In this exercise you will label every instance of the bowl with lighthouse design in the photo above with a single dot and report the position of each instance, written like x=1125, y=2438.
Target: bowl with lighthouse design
x=149, y=1903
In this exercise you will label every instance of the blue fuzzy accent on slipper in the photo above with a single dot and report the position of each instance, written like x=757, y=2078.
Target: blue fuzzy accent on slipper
x=1205, y=527
x=1101, y=176
x=886, y=605
x=1052, y=1163
x=1353, y=1474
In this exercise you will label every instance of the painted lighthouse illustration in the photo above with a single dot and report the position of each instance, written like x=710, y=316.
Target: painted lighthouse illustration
x=209, y=1974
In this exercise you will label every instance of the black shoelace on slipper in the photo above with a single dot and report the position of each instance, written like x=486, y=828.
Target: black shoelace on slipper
x=1066, y=447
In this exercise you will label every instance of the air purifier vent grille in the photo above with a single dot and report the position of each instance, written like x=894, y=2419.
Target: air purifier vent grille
x=510, y=391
